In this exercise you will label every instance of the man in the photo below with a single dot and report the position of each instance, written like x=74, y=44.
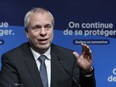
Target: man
x=64, y=67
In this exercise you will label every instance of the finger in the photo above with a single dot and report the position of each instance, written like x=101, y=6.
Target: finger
x=83, y=47
x=86, y=47
x=76, y=55
x=90, y=54
x=85, y=50
x=90, y=61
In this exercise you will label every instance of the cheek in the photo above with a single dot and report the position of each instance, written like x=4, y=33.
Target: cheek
x=51, y=37
x=51, y=34
x=32, y=35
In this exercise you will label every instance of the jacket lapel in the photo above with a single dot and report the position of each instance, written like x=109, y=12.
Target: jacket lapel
x=53, y=70
x=54, y=65
x=31, y=65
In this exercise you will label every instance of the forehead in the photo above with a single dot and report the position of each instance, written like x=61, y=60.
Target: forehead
x=41, y=17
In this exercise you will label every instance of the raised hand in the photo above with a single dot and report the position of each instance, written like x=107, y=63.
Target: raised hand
x=85, y=59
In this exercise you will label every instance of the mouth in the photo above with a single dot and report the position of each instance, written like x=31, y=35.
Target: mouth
x=43, y=41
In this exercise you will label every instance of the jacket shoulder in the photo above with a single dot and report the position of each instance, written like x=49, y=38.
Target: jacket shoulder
x=16, y=50
x=62, y=49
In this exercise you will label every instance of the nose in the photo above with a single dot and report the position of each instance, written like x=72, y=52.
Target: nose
x=43, y=32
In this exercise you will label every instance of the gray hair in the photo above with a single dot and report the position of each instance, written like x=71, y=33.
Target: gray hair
x=33, y=11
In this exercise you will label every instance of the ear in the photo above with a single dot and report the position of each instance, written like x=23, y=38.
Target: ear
x=27, y=35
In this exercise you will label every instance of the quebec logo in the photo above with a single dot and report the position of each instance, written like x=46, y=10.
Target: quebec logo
x=112, y=78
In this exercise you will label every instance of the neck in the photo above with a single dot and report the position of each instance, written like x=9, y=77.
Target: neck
x=41, y=51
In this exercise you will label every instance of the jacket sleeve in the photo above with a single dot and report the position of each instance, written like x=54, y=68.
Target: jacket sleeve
x=8, y=73
x=87, y=81
x=83, y=81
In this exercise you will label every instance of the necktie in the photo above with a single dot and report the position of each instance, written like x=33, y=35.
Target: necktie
x=43, y=72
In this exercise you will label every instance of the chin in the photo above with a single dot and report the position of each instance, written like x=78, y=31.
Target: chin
x=43, y=47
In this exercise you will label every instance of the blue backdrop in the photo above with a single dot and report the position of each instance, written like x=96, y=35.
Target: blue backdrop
x=92, y=22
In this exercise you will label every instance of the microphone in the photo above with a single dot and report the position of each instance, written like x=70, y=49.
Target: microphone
x=75, y=81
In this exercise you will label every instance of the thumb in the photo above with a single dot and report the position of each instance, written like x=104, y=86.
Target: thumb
x=76, y=55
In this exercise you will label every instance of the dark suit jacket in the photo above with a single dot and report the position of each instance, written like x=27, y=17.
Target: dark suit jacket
x=18, y=66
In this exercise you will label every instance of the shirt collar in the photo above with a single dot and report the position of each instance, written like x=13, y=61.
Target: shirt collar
x=37, y=55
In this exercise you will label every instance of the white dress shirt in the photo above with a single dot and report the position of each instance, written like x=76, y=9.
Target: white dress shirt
x=47, y=62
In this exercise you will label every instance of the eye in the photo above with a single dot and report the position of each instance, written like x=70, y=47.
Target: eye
x=36, y=27
x=48, y=26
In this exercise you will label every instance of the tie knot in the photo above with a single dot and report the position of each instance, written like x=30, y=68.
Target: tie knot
x=42, y=58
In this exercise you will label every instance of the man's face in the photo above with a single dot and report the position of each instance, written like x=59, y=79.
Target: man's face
x=40, y=31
